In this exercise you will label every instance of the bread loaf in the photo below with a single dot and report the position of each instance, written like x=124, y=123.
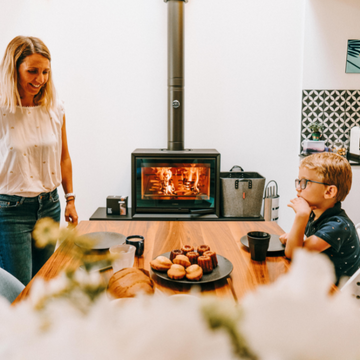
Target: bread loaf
x=129, y=282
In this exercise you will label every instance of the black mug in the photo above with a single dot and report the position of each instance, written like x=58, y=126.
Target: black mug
x=258, y=244
x=138, y=242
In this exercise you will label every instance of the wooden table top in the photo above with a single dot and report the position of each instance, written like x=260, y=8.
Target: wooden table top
x=163, y=236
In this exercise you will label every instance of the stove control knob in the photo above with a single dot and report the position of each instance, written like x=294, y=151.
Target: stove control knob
x=176, y=104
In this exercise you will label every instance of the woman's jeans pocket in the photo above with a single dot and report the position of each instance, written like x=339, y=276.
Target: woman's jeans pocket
x=9, y=201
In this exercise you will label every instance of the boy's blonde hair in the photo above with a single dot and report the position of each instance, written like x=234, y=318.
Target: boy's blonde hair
x=18, y=49
x=334, y=170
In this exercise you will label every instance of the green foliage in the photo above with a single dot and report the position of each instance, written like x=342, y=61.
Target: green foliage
x=316, y=126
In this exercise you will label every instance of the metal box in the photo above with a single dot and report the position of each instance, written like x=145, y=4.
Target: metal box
x=116, y=205
x=241, y=194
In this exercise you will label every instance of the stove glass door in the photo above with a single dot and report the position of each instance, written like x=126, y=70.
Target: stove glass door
x=177, y=184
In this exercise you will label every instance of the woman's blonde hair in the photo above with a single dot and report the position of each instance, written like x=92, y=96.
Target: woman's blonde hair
x=16, y=52
x=333, y=169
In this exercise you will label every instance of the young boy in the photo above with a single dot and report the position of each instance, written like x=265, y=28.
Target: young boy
x=324, y=181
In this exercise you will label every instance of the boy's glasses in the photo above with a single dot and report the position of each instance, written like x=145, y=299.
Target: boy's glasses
x=303, y=183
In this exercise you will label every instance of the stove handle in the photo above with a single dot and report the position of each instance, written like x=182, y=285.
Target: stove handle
x=202, y=211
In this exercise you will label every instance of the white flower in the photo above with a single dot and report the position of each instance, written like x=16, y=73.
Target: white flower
x=20, y=326
x=88, y=278
x=58, y=284
x=295, y=318
x=46, y=231
x=292, y=319
x=148, y=328
x=38, y=291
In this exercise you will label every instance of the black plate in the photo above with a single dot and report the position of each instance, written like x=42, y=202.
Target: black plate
x=223, y=269
x=105, y=239
x=274, y=245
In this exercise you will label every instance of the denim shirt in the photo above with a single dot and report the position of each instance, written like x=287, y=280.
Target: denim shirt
x=335, y=227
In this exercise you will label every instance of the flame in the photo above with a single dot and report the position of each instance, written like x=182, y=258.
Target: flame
x=187, y=180
x=194, y=171
x=167, y=183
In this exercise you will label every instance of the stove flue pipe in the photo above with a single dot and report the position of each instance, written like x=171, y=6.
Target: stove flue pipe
x=175, y=74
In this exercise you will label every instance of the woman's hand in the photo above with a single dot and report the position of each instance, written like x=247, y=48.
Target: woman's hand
x=71, y=215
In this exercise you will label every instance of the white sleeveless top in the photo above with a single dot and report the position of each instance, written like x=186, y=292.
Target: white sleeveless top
x=30, y=150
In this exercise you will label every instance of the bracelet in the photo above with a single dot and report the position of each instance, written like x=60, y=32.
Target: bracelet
x=70, y=195
x=72, y=198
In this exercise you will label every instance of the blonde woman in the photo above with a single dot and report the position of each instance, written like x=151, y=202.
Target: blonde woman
x=34, y=155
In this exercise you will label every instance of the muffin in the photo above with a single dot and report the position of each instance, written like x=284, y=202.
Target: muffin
x=176, y=272
x=205, y=263
x=193, y=256
x=194, y=272
x=161, y=263
x=174, y=253
x=212, y=256
x=187, y=248
x=182, y=260
x=202, y=248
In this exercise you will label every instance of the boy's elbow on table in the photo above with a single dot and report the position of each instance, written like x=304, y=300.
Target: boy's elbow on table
x=289, y=252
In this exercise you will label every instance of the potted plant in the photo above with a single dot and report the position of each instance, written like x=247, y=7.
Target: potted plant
x=316, y=128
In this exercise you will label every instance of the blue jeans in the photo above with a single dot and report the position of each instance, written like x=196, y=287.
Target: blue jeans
x=18, y=215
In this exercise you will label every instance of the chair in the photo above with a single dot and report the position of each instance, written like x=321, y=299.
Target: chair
x=357, y=227
x=10, y=286
x=352, y=285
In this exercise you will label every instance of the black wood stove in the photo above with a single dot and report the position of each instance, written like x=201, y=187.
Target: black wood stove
x=184, y=183
x=175, y=181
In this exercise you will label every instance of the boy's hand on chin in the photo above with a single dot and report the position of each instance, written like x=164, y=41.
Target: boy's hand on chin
x=283, y=238
x=301, y=206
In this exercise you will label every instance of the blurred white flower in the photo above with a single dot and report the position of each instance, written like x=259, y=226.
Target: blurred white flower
x=88, y=278
x=38, y=292
x=152, y=328
x=57, y=285
x=296, y=318
x=46, y=231
x=20, y=326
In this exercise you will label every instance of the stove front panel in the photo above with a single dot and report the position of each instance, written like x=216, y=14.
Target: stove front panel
x=174, y=184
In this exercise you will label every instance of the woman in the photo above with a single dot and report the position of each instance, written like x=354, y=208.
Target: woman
x=34, y=156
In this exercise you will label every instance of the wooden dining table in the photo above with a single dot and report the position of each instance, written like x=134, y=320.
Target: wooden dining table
x=223, y=237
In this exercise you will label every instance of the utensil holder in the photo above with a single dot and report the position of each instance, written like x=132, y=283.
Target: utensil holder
x=271, y=204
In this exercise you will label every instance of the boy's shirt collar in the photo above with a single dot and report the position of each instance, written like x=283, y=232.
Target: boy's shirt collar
x=335, y=210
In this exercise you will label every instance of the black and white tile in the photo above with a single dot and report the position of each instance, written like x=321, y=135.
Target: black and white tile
x=338, y=110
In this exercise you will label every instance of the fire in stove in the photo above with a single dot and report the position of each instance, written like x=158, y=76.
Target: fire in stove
x=179, y=182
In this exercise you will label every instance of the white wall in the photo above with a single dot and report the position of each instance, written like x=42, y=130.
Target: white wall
x=243, y=68
x=328, y=26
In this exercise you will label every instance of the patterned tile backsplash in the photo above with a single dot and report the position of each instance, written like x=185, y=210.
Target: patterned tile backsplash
x=338, y=110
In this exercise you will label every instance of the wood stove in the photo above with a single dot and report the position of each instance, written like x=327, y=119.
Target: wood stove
x=175, y=181
x=182, y=183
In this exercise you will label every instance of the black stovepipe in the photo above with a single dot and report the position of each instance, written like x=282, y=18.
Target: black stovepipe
x=176, y=82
